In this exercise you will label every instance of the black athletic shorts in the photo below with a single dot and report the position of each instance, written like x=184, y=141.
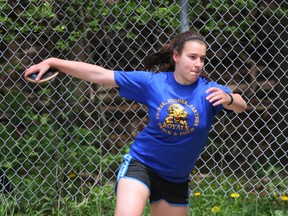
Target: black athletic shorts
x=160, y=188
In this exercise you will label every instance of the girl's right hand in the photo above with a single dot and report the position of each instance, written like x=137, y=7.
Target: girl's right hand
x=40, y=68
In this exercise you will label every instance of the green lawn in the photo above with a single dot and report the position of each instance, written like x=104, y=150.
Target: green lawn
x=99, y=202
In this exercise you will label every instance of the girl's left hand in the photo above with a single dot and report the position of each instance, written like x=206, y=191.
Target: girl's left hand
x=217, y=96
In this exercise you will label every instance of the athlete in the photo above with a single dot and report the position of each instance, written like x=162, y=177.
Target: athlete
x=182, y=105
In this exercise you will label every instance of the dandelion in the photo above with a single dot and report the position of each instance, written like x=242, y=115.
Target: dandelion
x=215, y=209
x=235, y=195
x=197, y=194
x=72, y=175
x=284, y=198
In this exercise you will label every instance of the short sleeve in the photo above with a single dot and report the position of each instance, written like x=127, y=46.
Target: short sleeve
x=132, y=85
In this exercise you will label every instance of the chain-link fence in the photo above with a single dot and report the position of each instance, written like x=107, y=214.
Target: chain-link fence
x=66, y=137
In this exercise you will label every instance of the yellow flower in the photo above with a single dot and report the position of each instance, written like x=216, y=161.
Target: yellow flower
x=215, y=209
x=284, y=198
x=72, y=175
x=235, y=195
x=197, y=194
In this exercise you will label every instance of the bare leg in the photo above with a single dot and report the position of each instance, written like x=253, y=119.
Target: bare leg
x=163, y=208
x=131, y=197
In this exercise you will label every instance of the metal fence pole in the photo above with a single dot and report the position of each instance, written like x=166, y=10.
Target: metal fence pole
x=184, y=19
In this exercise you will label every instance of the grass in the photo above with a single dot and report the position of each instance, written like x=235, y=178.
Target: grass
x=238, y=206
x=102, y=201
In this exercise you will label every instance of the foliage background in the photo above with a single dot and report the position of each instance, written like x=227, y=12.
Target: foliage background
x=68, y=136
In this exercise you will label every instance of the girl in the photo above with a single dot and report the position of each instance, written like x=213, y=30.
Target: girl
x=182, y=105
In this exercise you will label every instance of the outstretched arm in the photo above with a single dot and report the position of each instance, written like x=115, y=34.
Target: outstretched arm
x=233, y=102
x=81, y=70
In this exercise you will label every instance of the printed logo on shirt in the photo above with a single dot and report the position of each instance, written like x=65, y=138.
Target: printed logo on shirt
x=177, y=117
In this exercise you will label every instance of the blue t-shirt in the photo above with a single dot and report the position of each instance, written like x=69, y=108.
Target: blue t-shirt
x=180, y=120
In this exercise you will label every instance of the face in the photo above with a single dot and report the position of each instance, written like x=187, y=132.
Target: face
x=190, y=63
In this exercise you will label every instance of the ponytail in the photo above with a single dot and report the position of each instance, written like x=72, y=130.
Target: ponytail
x=163, y=59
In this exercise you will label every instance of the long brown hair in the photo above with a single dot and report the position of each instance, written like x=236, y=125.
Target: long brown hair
x=163, y=59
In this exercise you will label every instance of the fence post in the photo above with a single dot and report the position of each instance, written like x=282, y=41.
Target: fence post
x=184, y=20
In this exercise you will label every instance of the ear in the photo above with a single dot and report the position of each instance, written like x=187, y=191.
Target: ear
x=176, y=56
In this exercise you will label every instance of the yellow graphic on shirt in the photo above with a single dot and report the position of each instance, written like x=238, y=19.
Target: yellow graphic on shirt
x=175, y=121
x=177, y=115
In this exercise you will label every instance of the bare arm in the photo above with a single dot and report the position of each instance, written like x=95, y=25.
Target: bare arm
x=218, y=96
x=81, y=70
